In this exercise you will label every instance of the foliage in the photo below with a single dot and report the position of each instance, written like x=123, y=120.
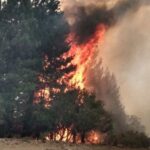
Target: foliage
x=130, y=139
x=91, y=115
x=134, y=124
x=28, y=30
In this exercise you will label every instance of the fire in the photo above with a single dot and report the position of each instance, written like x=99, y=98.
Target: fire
x=65, y=135
x=95, y=137
x=82, y=55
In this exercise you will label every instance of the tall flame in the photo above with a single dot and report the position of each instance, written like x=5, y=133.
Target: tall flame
x=83, y=54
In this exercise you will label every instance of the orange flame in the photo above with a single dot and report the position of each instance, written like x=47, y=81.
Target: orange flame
x=95, y=137
x=82, y=55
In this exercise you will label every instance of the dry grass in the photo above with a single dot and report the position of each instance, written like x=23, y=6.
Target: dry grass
x=26, y=144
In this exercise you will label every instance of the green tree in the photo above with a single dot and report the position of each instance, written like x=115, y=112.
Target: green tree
x=28, y=31
x=91, y=116
x=79, y=112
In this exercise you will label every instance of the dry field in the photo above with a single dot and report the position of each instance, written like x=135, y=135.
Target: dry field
x=24, y=144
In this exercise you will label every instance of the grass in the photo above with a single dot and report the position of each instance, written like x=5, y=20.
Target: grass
x=27, y=144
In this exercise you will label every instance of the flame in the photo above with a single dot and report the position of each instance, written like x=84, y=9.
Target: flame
x=95, y=137
x=82, y=55
x=65, y=135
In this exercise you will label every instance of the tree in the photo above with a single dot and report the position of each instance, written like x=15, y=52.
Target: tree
x=28, y=31
x=78, y=112
x=91, y=116
x=135, y=124
x=130, y=139
x=105, y=86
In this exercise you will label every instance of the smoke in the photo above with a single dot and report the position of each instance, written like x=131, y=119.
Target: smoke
x=125, y=50
x=83, y=16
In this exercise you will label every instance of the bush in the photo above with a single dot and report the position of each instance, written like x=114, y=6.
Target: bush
x=130, y=139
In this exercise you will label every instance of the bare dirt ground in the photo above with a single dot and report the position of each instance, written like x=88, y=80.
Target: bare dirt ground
x=24, y=144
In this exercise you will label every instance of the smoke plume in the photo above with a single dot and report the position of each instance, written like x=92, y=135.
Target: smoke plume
x=126, y=53
x=125, y=48
x=83, y=16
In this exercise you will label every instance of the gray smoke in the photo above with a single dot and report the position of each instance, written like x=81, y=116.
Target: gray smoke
x=126, y=52
x=122, y=51
x=84, y=16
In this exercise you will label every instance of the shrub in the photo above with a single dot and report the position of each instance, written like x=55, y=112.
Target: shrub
x=130, y=139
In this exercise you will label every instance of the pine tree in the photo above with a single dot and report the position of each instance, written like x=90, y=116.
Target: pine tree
x=27, y=33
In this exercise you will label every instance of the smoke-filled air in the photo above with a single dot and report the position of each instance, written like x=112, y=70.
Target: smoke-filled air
x=123, y=51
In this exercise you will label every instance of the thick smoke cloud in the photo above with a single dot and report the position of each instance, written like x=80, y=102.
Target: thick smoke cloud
x=83, y=28
x=84, y=16
x=125, y=50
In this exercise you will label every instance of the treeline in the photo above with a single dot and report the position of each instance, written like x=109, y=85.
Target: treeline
x=28, y=31
x=32, y=38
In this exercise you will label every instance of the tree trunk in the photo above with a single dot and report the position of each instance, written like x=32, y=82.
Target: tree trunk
x=52, y=136
x=74, y=137
x=83, y=137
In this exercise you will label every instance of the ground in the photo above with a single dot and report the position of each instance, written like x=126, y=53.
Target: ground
x=26, y=144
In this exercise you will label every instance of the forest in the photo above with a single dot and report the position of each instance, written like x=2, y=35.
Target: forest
x=36, y=99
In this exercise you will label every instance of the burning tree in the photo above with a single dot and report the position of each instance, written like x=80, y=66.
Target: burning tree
x=62, y=109
x=49, y=75
x=35, y=68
